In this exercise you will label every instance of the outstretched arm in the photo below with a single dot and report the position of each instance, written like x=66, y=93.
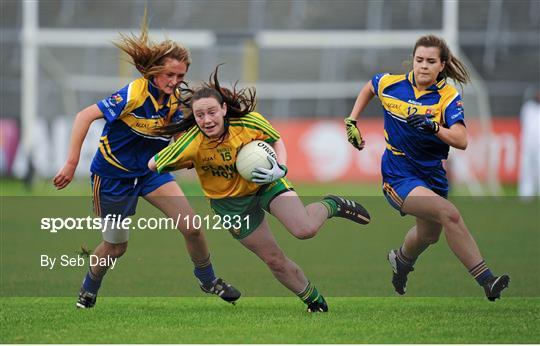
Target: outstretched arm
x=82, y=123
x=353, y=134
x=362, y=100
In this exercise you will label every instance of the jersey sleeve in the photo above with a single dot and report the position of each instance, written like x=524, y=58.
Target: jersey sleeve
x=179, y=152
x=454, y=112
x=375, y=82
x=117, y=104
x=266, y=132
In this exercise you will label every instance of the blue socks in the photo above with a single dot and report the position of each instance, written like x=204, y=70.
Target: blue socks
x=404, y=259
x=91, y=283
x=204, y=272
x=481, y=273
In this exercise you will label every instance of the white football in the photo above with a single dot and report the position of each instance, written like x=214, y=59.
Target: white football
x=252, y=155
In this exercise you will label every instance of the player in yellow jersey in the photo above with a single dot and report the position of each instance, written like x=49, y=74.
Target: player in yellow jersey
x=423, y=118
x=120, y=167
x=222, y=121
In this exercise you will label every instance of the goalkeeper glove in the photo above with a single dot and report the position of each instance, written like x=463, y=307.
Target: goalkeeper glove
x=423, y=123
x=353, y=134
x=262, y=175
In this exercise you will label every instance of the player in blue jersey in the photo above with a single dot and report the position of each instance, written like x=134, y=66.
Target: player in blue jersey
x=119, y=170
x=423, y=117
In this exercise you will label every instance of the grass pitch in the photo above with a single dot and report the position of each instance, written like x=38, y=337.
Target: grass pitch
x=152, y=297
x=270, y=320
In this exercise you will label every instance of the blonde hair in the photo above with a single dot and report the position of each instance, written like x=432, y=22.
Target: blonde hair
x=453, y=67
x=149, y=57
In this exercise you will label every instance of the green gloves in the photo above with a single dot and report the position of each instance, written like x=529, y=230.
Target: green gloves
x=353, y=134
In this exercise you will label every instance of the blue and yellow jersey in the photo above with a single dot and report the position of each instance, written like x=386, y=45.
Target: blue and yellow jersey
x=128, y=139
x=215, y=161
x=400, y=99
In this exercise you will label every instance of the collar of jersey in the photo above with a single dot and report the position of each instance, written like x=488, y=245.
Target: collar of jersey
x=154, y=91
x=435, y=87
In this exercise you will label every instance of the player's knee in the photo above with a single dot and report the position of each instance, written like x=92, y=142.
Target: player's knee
x=449, y=214
x=305, y=232
x=192, y=233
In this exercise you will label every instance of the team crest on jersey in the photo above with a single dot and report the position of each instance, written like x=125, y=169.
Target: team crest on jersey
x=115, y=99
x=459, y=103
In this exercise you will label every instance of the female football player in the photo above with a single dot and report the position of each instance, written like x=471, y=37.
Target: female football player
x=423, y=117
x=119, y=169
x=222, y=121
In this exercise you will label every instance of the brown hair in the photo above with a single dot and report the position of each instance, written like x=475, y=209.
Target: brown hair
x=239, y=102
x=453, y=67
x=149, y=57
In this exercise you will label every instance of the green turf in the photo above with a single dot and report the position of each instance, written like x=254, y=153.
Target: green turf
x=345, y=261
x=81, y=187
x=270, y=320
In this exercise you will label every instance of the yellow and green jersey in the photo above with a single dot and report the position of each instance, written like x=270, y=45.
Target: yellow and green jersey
x=215, y=161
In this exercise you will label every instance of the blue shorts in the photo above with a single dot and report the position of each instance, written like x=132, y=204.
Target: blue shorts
x=119, y=196
x=401, y=176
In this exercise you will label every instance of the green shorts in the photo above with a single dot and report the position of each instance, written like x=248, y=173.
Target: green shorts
x=242, y=215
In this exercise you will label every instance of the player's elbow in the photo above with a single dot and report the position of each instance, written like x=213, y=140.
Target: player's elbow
x=459, y=142
x=462, y=145
x=152, y=165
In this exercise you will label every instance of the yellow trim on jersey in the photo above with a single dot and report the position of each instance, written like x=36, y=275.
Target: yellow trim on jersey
x=402, y=109
x=173, y=105
x=260, y=119
x=137, y=94
x=419, y=93
x=166, y=155
x=154, y=101
x=393, y=149
x=448, y=94
x=142, y=125
x=387, y=80
x=214, y=161
x=105, y=149
x=258, y=122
